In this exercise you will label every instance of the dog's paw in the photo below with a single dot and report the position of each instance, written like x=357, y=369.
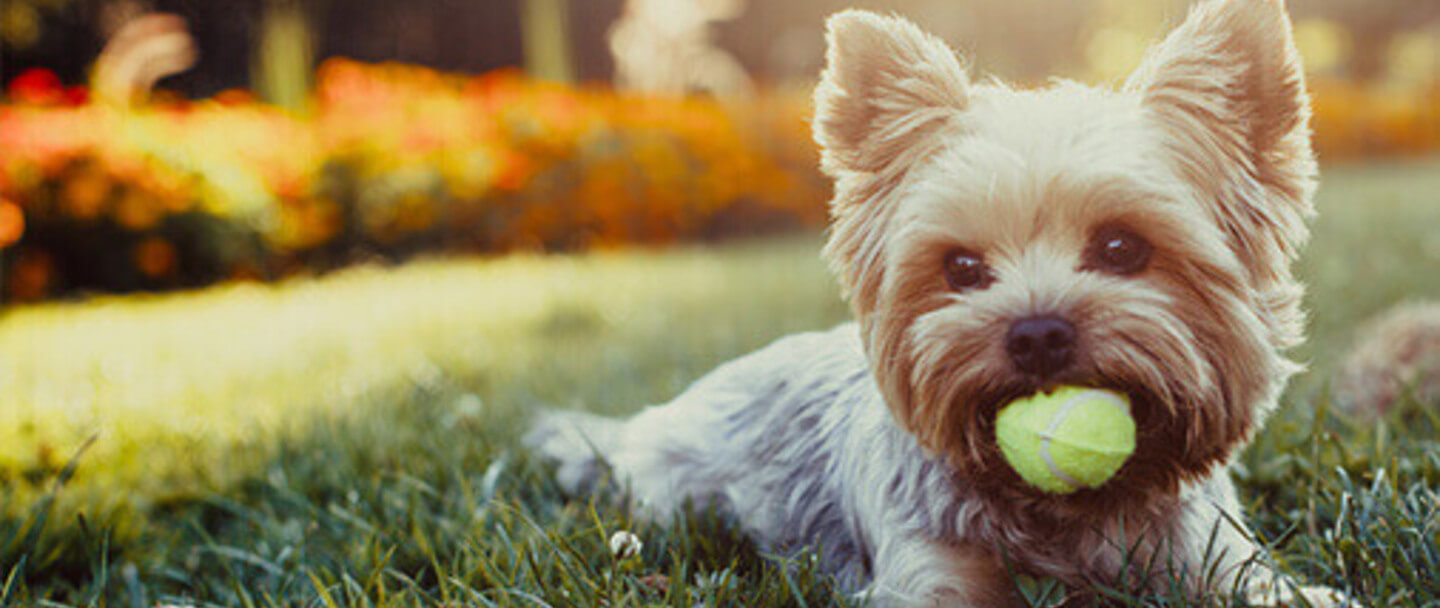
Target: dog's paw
x=1284, y=594
x=577, y=443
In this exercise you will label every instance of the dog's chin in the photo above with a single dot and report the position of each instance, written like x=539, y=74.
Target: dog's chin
x=1153, y=472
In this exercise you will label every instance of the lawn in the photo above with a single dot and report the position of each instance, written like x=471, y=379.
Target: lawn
x=352, y=440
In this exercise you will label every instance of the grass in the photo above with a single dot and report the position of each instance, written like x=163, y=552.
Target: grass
x=351, y=441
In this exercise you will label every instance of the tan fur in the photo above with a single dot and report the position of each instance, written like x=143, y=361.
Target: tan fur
x=1205, y=152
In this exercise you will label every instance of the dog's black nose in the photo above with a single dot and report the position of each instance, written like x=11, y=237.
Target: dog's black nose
x=1041, y=345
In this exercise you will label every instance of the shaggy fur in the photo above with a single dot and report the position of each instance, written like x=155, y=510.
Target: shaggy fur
x=874, y=441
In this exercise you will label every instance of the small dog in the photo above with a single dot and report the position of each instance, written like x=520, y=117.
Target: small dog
x=993, y=242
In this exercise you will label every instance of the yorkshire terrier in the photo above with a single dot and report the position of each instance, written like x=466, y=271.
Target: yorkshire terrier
x=993, y=242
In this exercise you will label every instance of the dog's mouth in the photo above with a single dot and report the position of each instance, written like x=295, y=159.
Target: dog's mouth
x=1153, y=438
x=1143, y=401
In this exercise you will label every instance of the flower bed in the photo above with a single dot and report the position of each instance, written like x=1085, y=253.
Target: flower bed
x=391, y=160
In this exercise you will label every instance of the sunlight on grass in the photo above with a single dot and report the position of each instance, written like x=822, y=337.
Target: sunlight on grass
x=237, y=363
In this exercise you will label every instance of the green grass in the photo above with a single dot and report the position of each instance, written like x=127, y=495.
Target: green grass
x=352, y=441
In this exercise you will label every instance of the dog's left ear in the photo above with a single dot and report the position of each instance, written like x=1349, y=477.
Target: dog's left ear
x=1228, y=86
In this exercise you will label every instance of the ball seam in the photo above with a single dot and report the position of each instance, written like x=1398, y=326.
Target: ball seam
x=1058, y=419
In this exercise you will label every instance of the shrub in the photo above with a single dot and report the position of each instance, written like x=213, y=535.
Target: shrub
x=392, y=160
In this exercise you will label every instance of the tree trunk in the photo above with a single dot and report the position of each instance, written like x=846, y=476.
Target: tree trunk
x=545, y=27
x=284, y=58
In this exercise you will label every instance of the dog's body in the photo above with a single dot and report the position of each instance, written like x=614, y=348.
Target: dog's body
x=796, y=441
x=992, y=243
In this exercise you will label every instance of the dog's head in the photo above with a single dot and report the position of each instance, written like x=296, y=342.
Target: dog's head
x=995, y=241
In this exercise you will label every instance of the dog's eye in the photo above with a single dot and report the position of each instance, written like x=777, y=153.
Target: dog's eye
x=1119, y=251
x=965, y=270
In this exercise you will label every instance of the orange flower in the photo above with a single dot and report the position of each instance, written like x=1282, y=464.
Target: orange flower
x=30, y=276
x=86, y=193
x=12, y=223
x=138, y=210
x=155, y=257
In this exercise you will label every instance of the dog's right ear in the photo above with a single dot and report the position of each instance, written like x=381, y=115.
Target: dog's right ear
x=886, y=89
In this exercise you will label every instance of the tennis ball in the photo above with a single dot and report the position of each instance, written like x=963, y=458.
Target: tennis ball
x=1071, y=438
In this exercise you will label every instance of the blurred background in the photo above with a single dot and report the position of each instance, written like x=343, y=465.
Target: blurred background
x=160, y=144
x=283, y=281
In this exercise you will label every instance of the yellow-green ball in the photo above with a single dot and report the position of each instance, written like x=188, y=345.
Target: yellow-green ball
x=1072, y=438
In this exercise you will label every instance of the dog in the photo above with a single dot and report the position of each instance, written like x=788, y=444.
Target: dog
x=993, y=242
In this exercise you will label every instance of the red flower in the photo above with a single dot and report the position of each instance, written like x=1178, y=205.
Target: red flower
x=77, y=95
x=37, y=86
x=235, y=97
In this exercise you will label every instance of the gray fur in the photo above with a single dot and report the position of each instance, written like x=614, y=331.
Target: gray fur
x=795, y=440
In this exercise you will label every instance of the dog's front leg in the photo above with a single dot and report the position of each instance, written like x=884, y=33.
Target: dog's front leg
x=910, y=570
x=1212, y=531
